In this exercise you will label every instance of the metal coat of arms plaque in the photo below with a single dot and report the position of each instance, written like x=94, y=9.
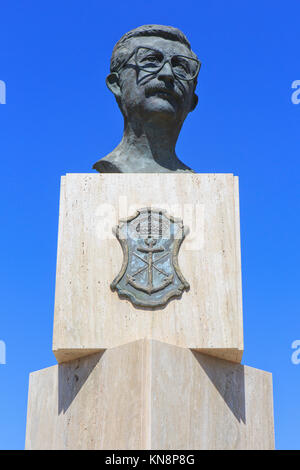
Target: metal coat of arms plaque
x=150, y=274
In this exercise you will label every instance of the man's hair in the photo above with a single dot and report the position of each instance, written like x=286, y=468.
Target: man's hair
x=120, y=51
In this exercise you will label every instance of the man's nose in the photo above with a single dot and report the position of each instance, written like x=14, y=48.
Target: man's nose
x=166, y=73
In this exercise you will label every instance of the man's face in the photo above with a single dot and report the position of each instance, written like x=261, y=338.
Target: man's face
x=155, y=96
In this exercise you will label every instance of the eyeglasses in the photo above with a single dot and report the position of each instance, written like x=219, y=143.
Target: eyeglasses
x=153, y=60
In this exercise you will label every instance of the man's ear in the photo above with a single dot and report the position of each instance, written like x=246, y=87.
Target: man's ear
x=194, y=102
x=112, y=82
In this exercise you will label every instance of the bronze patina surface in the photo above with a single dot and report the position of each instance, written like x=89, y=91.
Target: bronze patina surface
x=153, y=76
x=150, y=274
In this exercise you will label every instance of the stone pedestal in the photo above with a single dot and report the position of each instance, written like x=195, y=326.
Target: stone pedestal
x=150, y=395
x=132, y=377
x=90, y=317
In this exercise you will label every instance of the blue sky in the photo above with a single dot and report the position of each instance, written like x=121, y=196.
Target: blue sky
x=61, y=118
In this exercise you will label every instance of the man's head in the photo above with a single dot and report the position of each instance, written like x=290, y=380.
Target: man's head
x=154, y=74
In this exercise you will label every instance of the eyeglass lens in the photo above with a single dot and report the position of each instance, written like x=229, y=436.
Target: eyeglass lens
x=152, y=60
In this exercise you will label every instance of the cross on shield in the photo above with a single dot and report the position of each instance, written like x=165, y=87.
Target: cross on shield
x=150, y=274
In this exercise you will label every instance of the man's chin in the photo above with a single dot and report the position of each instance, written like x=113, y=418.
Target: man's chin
x=162, y=106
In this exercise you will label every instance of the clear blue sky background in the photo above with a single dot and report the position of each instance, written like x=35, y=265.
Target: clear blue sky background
x=60, y=118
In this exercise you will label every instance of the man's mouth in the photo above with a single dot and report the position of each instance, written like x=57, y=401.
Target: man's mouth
x=162, y=93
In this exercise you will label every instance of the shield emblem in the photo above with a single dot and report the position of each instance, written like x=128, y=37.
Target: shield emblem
x=150, y=274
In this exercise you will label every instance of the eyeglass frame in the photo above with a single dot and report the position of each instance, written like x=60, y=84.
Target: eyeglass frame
x=134, y=53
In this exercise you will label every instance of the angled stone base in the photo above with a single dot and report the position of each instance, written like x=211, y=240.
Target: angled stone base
x=150, y=395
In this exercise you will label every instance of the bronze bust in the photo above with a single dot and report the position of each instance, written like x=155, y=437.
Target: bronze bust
x=153, y=76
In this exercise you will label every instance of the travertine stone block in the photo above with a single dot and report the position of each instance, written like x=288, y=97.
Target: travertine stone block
x=89, y=317
x=150, y=395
